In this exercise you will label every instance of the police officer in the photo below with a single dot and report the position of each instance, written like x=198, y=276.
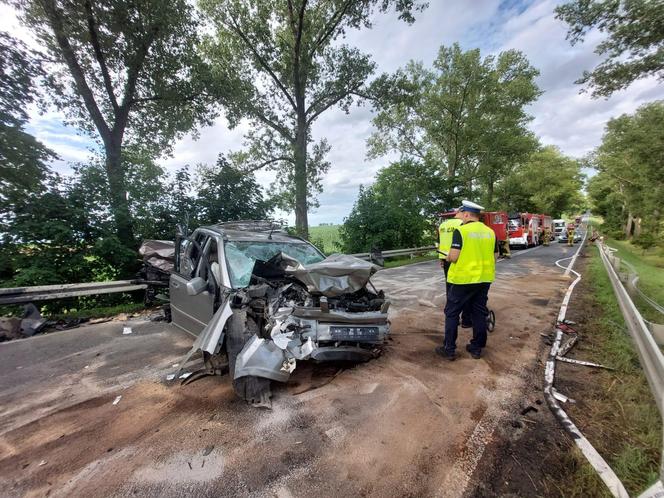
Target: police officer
x=445, y=231
x=472, y=259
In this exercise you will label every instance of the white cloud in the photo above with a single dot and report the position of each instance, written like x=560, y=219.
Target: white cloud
x=563, y=117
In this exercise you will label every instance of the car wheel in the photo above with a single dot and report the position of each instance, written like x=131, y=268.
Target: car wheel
x=240, y=329
x=491, y=321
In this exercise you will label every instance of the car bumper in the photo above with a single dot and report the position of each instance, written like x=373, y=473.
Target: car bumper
x=518, y=241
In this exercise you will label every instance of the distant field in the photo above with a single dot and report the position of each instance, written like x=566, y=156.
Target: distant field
x=327, y=236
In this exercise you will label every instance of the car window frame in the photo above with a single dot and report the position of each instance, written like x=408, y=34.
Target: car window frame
x=193, y=244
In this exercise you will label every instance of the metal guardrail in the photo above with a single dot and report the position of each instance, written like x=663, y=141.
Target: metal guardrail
x=20, y=295
x=397, y=252
x=651, y=358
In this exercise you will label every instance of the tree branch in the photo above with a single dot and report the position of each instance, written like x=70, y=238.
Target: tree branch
x=266, y=163
x=235, y=27
x=99, y=55
x=324, y=106
x=133, y=72
x=328, y=30
x=282, y=130
x=54, y=16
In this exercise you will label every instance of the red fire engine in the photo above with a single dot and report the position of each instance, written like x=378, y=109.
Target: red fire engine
x=497, y=221
x=523, y=229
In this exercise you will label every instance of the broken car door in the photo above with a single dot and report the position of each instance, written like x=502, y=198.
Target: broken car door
x=194, y=284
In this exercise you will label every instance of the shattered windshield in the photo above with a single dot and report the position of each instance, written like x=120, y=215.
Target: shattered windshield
x=242, y=255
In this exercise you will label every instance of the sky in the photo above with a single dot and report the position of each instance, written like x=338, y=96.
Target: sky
x=563, y=116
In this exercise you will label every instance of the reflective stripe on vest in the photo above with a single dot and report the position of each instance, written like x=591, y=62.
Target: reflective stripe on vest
x=445, y=231
x=476, y=263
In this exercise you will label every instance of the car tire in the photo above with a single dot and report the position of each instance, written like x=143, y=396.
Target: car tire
x=240, y=329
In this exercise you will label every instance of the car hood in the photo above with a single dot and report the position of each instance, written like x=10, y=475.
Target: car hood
x=336, y=275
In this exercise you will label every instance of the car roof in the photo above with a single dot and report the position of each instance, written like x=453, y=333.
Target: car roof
x=253, y=230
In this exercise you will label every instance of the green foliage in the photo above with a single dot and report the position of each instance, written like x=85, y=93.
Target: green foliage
x=286, y=66
x=224, y=193
x=22, y=158
x=64, y=232
x=326, y=238
x=125, y=71
x=395, y=211
x=465, y=116
x=630, y=178
x=547, y=182
x=634, y=48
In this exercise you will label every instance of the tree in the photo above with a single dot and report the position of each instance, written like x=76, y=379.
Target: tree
x=125, y=70
x=225, y=193
x=629, y=161
x=22, y=158
x=466, y=115
x=288, y=69
x=395, y=211
x=548, y=182
x=634, y=48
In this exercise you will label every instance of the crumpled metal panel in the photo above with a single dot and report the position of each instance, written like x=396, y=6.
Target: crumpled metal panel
x=336, y=275
x=263, y=358
x=211, y=336
x=158, y=253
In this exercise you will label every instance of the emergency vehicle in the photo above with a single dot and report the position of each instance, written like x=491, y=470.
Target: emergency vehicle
x=523, y=229
x=545, y=224
x=496, y=221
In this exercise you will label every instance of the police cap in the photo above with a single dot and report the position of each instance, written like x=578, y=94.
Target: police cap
x=471, y=207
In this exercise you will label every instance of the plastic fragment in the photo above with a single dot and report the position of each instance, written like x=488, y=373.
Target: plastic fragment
x=126, y=331
x=117, y=399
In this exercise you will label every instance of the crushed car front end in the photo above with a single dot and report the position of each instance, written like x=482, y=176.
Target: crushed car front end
x=322, y=311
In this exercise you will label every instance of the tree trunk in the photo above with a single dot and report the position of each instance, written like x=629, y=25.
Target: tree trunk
x=301, y=221
x=489, y=193
x=118, y=194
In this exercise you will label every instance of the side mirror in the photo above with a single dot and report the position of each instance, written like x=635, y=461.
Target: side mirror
x=195, y=286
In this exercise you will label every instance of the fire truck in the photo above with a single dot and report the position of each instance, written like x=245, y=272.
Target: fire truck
x=495, y=220
x=523, y=229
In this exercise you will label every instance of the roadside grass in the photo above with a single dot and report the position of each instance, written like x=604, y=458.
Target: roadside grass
x=326, y=238
x=650, y=267
x=620, y=418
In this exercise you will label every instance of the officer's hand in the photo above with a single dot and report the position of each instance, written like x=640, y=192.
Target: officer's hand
x=442, y=263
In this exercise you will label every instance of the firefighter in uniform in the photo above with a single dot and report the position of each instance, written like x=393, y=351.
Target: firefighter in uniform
x=445, y=231
x=547, y=236
x=570, y=234
x=472, y=259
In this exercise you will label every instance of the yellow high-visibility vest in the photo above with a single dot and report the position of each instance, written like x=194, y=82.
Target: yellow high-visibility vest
x=445, y=231
x=476, y=263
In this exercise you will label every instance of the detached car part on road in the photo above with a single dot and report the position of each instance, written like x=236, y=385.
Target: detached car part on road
x=259, y=300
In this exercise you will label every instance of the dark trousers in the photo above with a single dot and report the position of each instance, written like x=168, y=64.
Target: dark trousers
x=460, y=297
x=467, y=312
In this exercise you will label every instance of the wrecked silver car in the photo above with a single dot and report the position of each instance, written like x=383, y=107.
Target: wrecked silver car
x=259, y=300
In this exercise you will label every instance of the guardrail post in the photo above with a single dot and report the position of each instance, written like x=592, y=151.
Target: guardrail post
x=616, y=263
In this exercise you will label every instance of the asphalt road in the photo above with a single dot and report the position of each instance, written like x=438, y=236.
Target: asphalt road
x=406, y=424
